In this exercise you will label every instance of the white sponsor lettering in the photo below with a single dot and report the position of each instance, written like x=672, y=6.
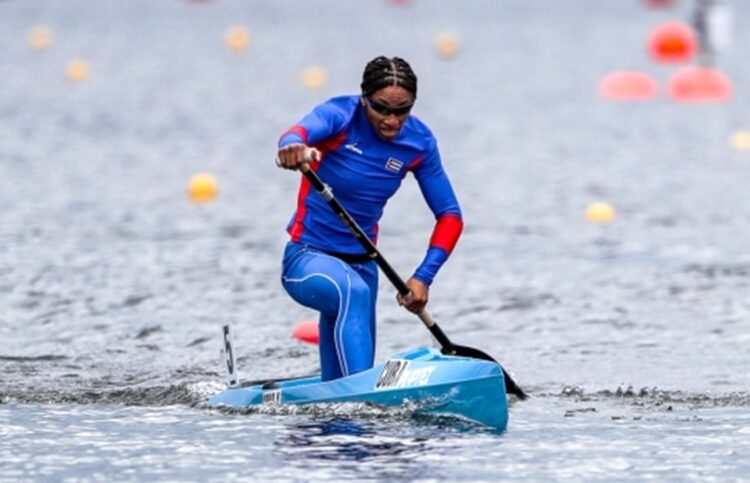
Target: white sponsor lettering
x=272, y=397
x=397, y=373
x=415, y=377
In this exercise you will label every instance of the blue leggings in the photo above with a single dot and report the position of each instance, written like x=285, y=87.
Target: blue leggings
x=345, y=295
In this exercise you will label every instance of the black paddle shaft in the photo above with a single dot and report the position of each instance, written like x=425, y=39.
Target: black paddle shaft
x=357, y=231
x=373, y=252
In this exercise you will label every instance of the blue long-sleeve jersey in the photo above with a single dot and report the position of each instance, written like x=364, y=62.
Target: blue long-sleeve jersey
x=364, y=171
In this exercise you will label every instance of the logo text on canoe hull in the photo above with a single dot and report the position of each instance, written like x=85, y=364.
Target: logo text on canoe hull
x=272, y=397
x=396, y=373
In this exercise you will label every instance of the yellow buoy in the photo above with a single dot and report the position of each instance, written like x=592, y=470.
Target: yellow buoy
x=447, y=44
x=203, y=188
x=600, y=212
x=314, y=77
x=40, y=37
x=77, y=70
x=741, y=141
x=237, y=39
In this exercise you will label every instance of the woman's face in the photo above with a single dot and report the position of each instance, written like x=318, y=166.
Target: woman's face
x=387, y=109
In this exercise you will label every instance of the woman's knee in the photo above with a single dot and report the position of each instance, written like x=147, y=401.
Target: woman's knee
x=317, y=291
x=359, y=290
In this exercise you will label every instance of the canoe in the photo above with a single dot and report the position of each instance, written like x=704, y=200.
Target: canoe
x=424, y=378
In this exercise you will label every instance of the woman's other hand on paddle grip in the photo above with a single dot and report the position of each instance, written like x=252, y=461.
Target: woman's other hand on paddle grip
x=294, y=155
x=417, y=298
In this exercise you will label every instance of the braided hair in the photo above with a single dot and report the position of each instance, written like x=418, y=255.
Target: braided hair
x=383, y=72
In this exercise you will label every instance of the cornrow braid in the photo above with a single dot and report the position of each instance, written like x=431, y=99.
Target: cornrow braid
x=383, y=72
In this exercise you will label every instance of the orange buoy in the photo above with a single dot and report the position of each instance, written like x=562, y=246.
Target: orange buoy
x=447, y=44
x=237, y=39
x=203, y=188
x=314, y=77
x=307, y=331
x=40, y=37
x=626, y=85
x=672, y=43
x=600, y=212
x=741, y=140
x=77, y=70
x=699, y=84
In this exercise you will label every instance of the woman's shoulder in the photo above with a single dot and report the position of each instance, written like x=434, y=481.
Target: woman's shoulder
x=419, y=133
x=345, y=103
x=340, y=109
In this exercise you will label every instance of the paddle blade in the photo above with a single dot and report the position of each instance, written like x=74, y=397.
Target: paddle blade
x=510, y=385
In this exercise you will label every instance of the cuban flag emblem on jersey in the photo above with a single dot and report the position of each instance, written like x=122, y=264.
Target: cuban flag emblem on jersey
x=394, y=165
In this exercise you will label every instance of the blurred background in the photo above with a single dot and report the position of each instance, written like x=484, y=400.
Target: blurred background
x=600, y=151
x=571, y=156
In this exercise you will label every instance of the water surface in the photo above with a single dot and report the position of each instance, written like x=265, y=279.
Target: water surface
x=632, y=337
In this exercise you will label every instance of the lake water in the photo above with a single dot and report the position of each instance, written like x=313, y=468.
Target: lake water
x=630, y=336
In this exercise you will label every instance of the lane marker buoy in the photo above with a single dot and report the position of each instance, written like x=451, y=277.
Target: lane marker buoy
x=203, y=188
x=600, y=212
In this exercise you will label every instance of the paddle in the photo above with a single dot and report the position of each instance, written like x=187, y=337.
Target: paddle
x=448, y=347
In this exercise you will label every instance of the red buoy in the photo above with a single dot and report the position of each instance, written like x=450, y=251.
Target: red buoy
x=672, y=43
x=659, y=3
x=307, y=331
x=626, y=85
x=700, y=84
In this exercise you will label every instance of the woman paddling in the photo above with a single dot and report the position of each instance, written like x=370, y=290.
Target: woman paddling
x=363, y=146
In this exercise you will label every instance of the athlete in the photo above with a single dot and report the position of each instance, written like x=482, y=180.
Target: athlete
x=362, y=147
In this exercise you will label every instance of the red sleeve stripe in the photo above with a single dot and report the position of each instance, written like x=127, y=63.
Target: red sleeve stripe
x=297, y=227
x=447, y=230
x=298, y=130
x=331, y=144
x=414, y=163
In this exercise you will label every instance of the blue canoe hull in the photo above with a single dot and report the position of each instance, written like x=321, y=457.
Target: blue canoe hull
x=430, y=381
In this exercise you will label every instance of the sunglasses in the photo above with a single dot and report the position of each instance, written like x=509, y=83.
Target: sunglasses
x=384, y=110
